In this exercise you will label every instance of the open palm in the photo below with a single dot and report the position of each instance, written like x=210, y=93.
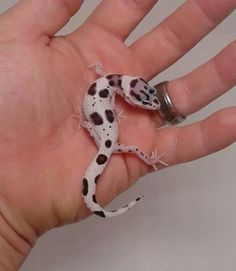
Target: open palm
x=43, y=81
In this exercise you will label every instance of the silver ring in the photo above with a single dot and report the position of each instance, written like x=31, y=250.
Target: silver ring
x=167, y=110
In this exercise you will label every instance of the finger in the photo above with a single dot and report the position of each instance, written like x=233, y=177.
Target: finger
x=195, y=90
x=120, y=17
x=30, y=19
x=183, y=144
x=179, y=32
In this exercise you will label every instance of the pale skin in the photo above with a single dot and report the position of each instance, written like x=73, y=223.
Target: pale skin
x=43, y=80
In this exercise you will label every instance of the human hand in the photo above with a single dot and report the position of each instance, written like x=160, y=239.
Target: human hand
x=43, y=80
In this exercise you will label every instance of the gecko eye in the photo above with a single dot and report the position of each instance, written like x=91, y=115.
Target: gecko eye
x=151, y=91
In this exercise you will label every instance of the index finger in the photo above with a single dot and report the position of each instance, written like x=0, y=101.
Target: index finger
x=119, y=17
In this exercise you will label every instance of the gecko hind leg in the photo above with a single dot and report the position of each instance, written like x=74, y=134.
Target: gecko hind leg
x=118, y=113
x=151, y=160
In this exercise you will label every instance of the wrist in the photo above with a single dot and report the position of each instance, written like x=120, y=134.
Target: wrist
x=16, y=237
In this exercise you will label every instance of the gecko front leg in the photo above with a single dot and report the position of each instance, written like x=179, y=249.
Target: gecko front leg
x=98, y=68
x=87, y=125
x=151, y=160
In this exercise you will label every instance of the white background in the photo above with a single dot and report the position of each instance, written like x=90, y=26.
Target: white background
x=187, y=220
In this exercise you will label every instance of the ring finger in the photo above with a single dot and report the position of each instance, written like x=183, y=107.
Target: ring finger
x=195, y=90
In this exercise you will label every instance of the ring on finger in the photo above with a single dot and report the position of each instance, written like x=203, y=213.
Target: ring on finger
x=167, y=109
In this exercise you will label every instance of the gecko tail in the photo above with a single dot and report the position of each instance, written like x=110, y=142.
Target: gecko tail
x=90, y=180
x=99, y=211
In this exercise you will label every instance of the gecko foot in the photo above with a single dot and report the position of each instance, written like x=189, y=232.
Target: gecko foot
x=98, y=68
x=81, y=119
x=120, y=115
x=155, y=159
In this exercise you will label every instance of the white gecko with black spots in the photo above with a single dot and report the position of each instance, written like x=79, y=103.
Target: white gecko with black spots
x=102, y=124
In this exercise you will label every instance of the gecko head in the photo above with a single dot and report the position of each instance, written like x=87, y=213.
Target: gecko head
x=143, y=95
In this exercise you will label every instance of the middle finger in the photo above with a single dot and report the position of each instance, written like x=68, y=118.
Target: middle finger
x=179, y=32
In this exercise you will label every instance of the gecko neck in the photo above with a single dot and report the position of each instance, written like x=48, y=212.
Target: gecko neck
x=121, y=83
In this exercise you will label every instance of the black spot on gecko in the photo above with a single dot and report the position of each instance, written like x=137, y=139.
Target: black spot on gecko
x=145, y=82
x=99, y=213
x=94, y=198
x=145, y=103
x=101, y=159
x=92, y=89
x=135, y=95
x=85, y=187
x=96, y=179
x=133, y=83
x=138, y=199
x=104, y=93
x=111, y=83
x=110, y=76
x=109, y=115
x=96, y=118
x=119, y=83
x=108, y=143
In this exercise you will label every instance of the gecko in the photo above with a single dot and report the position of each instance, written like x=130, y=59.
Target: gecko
x=102, y=123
